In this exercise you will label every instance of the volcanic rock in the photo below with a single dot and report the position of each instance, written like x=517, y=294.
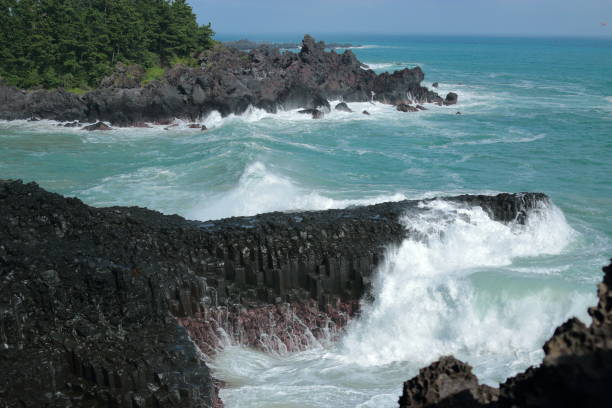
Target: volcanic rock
x=451, y=99
x=97, y=126
x=402, y=107
x=447, y=383
x=343, y=107
x=228, y=81
x=316, y=114
x=113, y=306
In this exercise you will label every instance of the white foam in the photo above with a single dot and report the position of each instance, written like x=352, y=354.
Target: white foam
x=260, y=190
x=430, y=301
x=426, y=305
x=386, y=65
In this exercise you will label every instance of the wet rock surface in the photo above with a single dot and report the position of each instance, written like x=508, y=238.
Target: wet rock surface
x=576, y=372
x=107, y=306
x=446, y=383
x=228, y=81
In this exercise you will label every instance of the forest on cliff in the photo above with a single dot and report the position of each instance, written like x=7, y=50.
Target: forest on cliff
x=75, y=43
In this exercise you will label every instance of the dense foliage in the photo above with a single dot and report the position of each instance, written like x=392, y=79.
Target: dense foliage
x=74, y=43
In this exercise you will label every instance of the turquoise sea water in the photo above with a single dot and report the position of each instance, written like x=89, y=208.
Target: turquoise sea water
x=536, y=116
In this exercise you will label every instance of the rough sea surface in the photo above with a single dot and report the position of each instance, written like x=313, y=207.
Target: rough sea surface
x=536, y=116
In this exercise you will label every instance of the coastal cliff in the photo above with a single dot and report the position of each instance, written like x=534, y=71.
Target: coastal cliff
x=120, y=306
x=228, y=81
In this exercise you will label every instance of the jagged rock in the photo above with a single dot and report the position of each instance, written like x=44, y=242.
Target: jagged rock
x=576, y=371
x=421, y=107
x=447, y=383
x=435, y=85
x=451, y=99
x=72, y=124
x=402, y=107
x=365, y=112
x=228, y=81
x=204, y=128
x=97, y=126
x=343, y=107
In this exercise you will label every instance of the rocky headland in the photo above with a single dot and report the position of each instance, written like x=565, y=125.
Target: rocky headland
x=229, y=81
x=121, y=306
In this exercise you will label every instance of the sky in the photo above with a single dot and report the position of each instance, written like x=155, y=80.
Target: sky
x=463, y=17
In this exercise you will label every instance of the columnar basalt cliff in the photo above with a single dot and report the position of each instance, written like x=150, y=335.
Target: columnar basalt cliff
x=107, y=306
x=576, y=372
x=228, y=81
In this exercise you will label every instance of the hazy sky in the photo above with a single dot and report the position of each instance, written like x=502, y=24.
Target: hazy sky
x=498, y=17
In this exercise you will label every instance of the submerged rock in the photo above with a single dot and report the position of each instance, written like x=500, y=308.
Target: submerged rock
x=97, y=126
x=315, y=113
x=365, y=112
x=451, y=99
x=403, y=107
x=343, y=107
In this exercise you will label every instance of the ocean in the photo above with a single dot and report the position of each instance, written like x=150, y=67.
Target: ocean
x=536, y=115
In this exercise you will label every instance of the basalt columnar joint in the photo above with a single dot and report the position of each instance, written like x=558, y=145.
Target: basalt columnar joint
x=107, y=306
x=227, y=81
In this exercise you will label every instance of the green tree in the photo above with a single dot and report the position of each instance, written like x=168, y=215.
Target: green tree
x=74, y=43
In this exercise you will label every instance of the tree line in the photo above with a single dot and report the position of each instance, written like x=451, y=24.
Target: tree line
x=75, y=43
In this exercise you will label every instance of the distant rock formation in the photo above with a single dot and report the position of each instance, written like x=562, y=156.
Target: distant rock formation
x=228, y=81
x=576, y=372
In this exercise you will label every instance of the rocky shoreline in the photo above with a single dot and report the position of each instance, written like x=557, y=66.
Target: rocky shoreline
x=228, y=81
x=120, y=306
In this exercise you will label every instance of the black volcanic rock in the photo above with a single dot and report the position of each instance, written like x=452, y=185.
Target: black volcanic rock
x=402, y=107
x=343, y=107
x=447, y=383
x=228, y=81
x=451, y=99
x=576, y=372
x=113, y=306
x=97, y=126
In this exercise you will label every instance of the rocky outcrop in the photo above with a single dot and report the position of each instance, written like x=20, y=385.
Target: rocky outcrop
x=447, y=383
x=99, y=126
x=115, y=306
x=451, y=99
x=343, y=107
x=576, y=372
x=228, y=81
